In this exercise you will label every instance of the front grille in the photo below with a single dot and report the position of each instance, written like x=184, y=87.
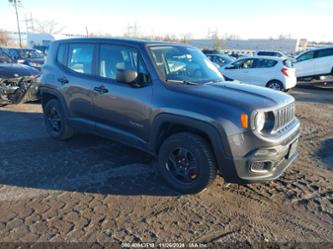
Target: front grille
x=283, y=116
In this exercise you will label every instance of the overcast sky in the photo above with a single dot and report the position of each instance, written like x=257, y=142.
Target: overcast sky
x=311, y=19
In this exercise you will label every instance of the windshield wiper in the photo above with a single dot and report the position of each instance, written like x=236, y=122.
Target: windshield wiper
x=182, y=82
x=213, y=81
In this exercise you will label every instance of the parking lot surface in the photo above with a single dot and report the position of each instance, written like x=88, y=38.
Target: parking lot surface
x=92, y=189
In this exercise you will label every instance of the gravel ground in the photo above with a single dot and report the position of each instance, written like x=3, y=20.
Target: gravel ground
x=91, y=189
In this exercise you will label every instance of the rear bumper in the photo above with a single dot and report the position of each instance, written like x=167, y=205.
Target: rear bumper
x=290, y=82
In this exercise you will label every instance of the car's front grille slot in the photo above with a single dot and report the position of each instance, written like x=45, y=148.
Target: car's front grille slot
x=284, y=115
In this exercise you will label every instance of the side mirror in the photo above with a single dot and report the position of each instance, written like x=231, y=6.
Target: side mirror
x=126, y=76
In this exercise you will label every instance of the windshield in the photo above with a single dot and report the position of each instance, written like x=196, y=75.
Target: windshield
x=176, y=63
x=29, y=54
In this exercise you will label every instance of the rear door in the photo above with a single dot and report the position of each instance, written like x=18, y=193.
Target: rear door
x=324, y=61
x=305, y=64
x=263, y=71
x=76, y=76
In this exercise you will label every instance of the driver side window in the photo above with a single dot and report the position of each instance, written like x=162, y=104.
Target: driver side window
x=114, y=57
x=306, y=56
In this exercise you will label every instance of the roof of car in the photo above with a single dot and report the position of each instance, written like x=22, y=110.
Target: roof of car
x=222, y=55
x=264, y=57
x=313, y=49
x=269, y=51
x=129, y=41
x=320, y=48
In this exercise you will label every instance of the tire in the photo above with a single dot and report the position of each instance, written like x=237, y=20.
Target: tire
x=275, y=85
x=187, y=163
x=56, y=123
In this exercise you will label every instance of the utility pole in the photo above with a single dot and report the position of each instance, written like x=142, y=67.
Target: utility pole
x=15, y=3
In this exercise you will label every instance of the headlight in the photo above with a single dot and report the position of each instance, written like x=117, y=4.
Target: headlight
x=260, y=120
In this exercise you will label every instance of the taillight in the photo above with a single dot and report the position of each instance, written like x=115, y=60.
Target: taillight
x=284, y=71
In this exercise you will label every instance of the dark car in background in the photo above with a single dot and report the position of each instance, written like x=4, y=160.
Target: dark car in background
x=17, y=81
x=27, y=56
x=221, y=59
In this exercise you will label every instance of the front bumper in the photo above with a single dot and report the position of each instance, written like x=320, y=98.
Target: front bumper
x=256, y=160
x=266, y=164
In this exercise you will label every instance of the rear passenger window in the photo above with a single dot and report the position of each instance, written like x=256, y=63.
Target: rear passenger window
x=325, y=52
x=265, y=63
x=114, y=57
x=80, y=58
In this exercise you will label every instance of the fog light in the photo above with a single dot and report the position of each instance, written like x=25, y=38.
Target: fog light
x=260, y=167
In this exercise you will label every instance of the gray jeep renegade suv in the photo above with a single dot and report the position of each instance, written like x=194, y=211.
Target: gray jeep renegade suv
x=170, y=101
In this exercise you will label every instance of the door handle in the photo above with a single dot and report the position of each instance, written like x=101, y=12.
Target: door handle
x=63, y=80
x=101, y=89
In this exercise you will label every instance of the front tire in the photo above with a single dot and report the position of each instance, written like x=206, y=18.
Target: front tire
x=275, y=85
x=187, y=163
x=56, y=123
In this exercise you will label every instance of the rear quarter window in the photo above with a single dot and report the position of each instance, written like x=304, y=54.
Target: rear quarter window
x=324, y=53
x=288, y=63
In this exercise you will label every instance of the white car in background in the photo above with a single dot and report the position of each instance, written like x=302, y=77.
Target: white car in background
x=314, y=63
x=273, y=72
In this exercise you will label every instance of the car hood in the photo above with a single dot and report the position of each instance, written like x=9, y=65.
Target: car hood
x=16, y=70
x=247, y=97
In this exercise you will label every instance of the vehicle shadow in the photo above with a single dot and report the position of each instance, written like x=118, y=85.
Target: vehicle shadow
x=325, y=152
x=86, y=163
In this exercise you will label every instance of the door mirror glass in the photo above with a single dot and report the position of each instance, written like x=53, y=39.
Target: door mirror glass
x=126, y=76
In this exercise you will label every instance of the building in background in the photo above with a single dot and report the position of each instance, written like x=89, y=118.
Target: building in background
x=284, y=45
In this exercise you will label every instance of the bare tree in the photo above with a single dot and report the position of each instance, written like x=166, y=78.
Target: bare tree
x=47, y=26
x=4, y=38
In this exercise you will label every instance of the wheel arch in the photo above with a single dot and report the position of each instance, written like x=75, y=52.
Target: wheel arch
x=167, y=124
x=47, y=94
x=275, y=80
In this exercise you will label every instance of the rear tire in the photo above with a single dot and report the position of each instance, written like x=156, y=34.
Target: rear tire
x=187, y=163
x=275, y=85
x=55, y=120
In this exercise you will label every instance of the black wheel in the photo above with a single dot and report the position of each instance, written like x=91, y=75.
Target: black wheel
x=275, y=85
x=55, y=121
x=187, y=163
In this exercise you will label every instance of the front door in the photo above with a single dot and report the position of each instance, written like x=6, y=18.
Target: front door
x=305, y=65
x=122, y=109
